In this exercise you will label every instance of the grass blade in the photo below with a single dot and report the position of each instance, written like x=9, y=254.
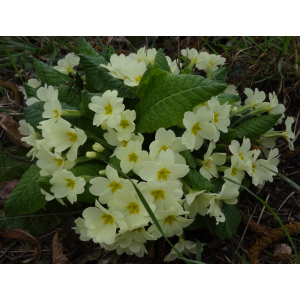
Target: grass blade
x=198, y=251
x=66, y=45
x=286, y=44
x=151, y=214
x=272, y=212
x=242, y=259
x=12, y=62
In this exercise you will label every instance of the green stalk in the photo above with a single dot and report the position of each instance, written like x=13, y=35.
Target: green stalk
x=98, y=140
x=71, y=113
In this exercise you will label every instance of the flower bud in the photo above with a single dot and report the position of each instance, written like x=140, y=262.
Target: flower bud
x=91, y=154
x=104, y=126
x=98, y=147
x=102, y=172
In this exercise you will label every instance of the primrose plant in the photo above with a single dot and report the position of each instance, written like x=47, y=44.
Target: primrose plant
x=144, y=147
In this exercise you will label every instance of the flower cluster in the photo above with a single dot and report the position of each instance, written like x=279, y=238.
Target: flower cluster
x=157, y=164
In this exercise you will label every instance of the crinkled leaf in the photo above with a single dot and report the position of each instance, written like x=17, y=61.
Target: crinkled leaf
x=218, y=183
x=197, y=181
x=68, y=98
x=108, y=82
x=33, y=114
x=30, y=91
x=161, y=61
x=166, y=98
x=85, y=48
x=14, y=169
x=227, y=137
x=198, y=223
x=255, y=127
x=90, y=66
x=36, y=224
x=48, y=74
x=220, y=75
x=26, y=198
x=110, y=52
x=232, y=221
x=230, y=99
x=190, y=159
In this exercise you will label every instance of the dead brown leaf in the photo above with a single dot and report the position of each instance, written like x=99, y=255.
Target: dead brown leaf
x=63, y=245
x=11, y=128
x=6, y=188
x=24, y=235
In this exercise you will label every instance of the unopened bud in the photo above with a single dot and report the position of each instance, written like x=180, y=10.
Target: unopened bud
x=91, y=154
x=104, y=126
x=98, y=147
x=102, y=172
x=234, y=109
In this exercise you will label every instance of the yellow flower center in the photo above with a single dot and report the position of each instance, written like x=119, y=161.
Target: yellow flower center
x=233, y=171
x=216, y=120
x=69, y=69
x=207, y=164
x=115, y=186
x=137, y=229
x=133, y=208
x=211, y=63
x=133, y=157
x=59, y=161
x=193, y=60
x=170, y=219
x=163, y=174
x=73, y=137
x=124, y=143
x=157, y=194
x=56, y=113
x=253, y=168
x=124, y=123
x=108, y=109
x=70, y=183
x=241, y=156
x=137, y=79
x=195, y=128
x=163, y=148
x=108, y=219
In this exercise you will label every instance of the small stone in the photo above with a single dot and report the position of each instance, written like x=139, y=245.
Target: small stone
x=282, y=249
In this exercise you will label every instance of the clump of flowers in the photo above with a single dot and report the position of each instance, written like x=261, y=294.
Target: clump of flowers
x=143, y=127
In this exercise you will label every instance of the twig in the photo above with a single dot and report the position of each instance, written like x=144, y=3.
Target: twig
x=242, y=238
x=262, y=211
x=290, y=195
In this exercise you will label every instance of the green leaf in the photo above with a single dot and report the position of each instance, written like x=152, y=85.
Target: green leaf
x=85, y=48
x=190, y=159
x=223, y=98
x=48, y=74
x=185, y=71
x=161, y=61
x=30, y=91
x=227, y=137
x=108, y=82
x=90, y=66
x=36, y=224
x=197, y=181
x=33, y=114
x=111, y=51
x=166, y=97
x=14, y=169
x=199, y=222
x=26, y=198
x=220, y=76
x=44, y=183
x=255, y=127
x=218, y=183
x=86, y=100
x=89, y=170
x=68, y=98
x=232, y=221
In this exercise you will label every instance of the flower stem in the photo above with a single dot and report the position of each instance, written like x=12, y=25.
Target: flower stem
x=98, y=140
x=222, y=168
x=71, y=113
